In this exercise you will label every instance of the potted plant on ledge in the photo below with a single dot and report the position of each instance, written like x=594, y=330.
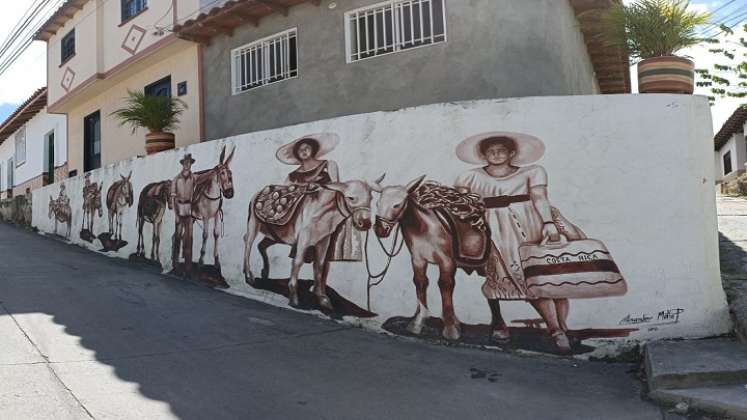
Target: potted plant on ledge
x=157, y=114
x=653, y=32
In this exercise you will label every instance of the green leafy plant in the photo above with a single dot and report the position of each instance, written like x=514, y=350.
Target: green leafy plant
x=154, y=113
x=653, y=28
x=727, y=78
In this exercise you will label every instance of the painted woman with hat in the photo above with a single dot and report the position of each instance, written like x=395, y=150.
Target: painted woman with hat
x=307, y=153
x=518, y=211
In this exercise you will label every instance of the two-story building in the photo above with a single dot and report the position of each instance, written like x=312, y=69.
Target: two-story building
x=33, y=147
x=97, y=50
x=272, y=63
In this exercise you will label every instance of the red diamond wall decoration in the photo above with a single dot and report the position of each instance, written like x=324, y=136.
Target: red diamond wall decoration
x=133, y=39
x=67, y=79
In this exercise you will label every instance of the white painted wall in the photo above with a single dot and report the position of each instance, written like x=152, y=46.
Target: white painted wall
x=7, y=151
x=37, y=129
x=738, y=148
x=651, y=202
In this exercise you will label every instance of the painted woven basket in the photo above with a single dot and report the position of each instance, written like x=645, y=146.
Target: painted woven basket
x=158, y=142
x=666, y=75
x=571, y=269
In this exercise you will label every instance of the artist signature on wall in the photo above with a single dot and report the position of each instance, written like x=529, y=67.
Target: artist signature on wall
x=664, y=317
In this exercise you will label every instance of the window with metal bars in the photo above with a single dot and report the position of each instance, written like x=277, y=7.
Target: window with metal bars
x=67, y=45
x=131, y=8
x=394, y=26
x=265, y=61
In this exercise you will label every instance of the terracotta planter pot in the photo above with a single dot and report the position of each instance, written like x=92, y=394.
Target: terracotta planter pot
x=666, y=75
x=158, y=142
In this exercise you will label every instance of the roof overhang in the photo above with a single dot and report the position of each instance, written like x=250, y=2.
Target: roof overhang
x=232, y=14
x=611, y=64
x=59, y=18
x=23, y=114
x=735, y=124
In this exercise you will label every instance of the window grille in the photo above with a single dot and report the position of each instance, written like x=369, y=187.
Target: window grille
x=394, y=26
x=266, y=61
x=131, y=8
x=68, y=46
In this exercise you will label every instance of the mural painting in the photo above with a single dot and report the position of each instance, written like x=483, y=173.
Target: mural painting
x=500, y=230
x=198, y=198
x=318, y=216
x=498, y=222
x=60, y=211
x=119, y=198
x=91, y=207
x=151, y=208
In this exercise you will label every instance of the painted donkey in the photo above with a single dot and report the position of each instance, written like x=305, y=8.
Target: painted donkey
x=119, y=197
x=430, y=241
x=151, y=206
x=92, y=205
x=60, y=210
x=320, y=215
x=211, y=186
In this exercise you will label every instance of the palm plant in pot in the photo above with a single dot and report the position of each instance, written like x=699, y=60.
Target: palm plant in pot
x=653, y=32
x=157, y=114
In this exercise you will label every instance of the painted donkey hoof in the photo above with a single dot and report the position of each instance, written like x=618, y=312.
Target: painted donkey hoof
x=500, y=335
x=325, y=303
x=452, y=332
x=415, y=327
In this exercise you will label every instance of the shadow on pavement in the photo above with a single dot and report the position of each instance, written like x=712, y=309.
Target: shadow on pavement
x=211, y=355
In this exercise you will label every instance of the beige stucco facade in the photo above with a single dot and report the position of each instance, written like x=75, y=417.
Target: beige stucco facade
x=118, y=142
x=112, y=57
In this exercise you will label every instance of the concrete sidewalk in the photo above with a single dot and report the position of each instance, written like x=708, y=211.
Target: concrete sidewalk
x=84, y=336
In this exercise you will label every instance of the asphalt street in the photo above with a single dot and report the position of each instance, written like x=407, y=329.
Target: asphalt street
x=86, y=336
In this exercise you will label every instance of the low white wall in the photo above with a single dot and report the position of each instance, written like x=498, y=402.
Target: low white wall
x=632, y=171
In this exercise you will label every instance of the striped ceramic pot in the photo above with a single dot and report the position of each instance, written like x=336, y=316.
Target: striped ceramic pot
x=667, y=74
x=158, y=142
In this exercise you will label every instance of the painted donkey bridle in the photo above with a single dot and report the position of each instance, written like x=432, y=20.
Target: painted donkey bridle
x=344, y=208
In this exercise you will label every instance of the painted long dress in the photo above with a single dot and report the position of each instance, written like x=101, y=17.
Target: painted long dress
x=346, y=243
x=513, y=221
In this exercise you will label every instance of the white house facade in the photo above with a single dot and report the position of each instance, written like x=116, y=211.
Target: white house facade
x=33, y=147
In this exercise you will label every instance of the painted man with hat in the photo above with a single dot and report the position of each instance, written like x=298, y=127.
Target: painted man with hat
x=307, y=153
x=182, y=192
x=518, y=211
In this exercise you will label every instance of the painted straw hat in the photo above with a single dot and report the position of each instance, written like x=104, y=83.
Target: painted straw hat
x=529, y=149
x=327, y=142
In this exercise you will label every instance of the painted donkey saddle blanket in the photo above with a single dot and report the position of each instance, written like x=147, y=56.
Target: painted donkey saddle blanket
x=278, y=204
x=464, y=216
x=571, y=269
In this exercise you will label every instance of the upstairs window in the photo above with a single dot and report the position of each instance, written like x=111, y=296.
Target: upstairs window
x=394, y=26
x=68, y=46
x=20, y=140
x=266, y=61
x=131, y=8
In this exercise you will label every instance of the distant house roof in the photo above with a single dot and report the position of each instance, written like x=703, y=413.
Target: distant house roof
x=735, y=124
x=58, y=19
x=23, y=114
x=611, y=65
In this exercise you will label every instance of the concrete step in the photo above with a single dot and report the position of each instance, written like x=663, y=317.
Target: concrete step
x=696, y=363
x=725, y=400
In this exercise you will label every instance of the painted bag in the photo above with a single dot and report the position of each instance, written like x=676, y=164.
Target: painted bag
x=571, y=269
